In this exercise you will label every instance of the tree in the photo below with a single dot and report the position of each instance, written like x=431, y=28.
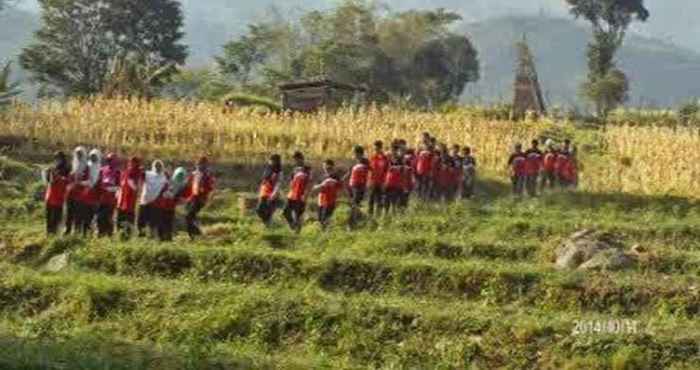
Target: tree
x=610, y=20
x=8, y=90
x=412, y=54
x=81, y=41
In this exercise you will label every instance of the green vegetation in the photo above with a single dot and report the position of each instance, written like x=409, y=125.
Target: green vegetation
x=409, y=55
x=471, y=284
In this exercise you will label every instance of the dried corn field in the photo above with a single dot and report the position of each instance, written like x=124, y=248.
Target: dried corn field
x=641, y=160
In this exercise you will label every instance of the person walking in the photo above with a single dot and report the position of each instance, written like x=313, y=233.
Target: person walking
x=533, y=166
x=357, y=180
x=516, y=162
x=378, y=165
x=328, y=191
x=153, y=186
x=298, y=193
x=57, y=180
x=129, y=186
x=110, y=175
x=200, y=185
x=268, y=201
x=74, y=203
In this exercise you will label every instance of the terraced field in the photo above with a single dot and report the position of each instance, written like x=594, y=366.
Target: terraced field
x=470, y=286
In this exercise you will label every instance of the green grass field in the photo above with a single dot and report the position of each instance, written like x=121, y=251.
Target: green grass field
x=469, y=286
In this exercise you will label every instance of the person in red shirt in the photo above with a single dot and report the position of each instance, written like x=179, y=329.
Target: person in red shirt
x=408, y=179
x=393, y=185
x=108, y=187
x=91, y=192
x=378, y=165
x=424, y=171
x=533, y=166
x=129, y=186
x=200, y=185
x=57, y=179
x=298, y=193
x=357, y=180
x=74, y=205
x=566, y=169
x=468, y=172
x=517, y=163
x=270, y=189
x=549, y=174
x=328, y=192
x=166, y=203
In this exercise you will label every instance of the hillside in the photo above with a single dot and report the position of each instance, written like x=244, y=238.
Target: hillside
x=661, y=74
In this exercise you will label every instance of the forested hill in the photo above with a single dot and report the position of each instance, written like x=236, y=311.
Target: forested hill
x=660, y=73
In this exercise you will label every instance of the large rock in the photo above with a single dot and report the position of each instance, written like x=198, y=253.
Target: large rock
x=590, y=250
x=57, y=263
x=609, y=259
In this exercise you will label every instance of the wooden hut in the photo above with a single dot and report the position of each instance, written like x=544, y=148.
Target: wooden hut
x=310, y=96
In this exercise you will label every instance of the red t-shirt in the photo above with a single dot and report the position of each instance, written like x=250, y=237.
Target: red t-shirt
x=164, y=202
x=444, y=175
x=128, y=195
x=91, y=194
x=411, y=161
x=549, y=161
x=299, y=184
x=199, y=186
x=534, y=162
x=517, y=162
x=328, y=196
x=424, y=163
x=378, y=165
x=75, y=189
x=394, y=177
x=565, y=167
x=109, y=179
x=56, y=191
x=359, y=176
x=407, y=181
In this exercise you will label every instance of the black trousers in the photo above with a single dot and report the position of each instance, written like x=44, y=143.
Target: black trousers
x=53, y=219
x=518, y=184
x=125, y=222
x=392, y=199
x=548, y=180
x=531, y=185
x=165, y=223
x=266, y=209
x=193, y=209
x=146, y=219
x=376, y=199
x=73, y=209
x=87, y=216
x=357, y=196
x=424, y=186
x=324, y=215
x=105, y=220
x=293, y=213
x=404, y=200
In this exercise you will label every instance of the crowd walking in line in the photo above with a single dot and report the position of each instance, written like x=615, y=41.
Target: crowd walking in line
x=389, y=179
x=100, y=196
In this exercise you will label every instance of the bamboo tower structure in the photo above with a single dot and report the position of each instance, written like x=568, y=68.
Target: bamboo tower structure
x=528, y=98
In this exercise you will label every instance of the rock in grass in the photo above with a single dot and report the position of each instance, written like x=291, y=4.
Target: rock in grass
x=590, y=250
x=610, y=259
x=57, y=263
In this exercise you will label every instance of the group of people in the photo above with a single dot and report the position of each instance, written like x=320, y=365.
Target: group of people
x=533, y=171
x=99, y=194
x=387, y=179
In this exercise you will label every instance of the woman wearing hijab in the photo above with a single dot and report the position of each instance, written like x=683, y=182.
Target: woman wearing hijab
x=57, y=180
x=78, y=176
x=91, y=191
x=154, y=184
x=200, y=185
x=109, y=185
x=130, y=183
x=166, y=204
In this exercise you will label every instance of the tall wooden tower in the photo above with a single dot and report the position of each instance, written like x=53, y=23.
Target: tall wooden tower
x=528, y=94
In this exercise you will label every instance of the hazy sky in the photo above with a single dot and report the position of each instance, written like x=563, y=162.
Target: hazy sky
x=671, y=20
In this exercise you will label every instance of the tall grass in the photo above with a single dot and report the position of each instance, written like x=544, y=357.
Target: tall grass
x=644, y=160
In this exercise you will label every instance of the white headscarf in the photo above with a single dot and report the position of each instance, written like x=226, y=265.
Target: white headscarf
x=154, y=184
x=79, y=164
x=94, y=166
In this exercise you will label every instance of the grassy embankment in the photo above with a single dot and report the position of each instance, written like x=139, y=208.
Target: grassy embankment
x=437, y=288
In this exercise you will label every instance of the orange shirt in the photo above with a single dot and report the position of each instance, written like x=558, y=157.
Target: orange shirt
x=299, y=184
x=328, y=196
x=267, y=187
